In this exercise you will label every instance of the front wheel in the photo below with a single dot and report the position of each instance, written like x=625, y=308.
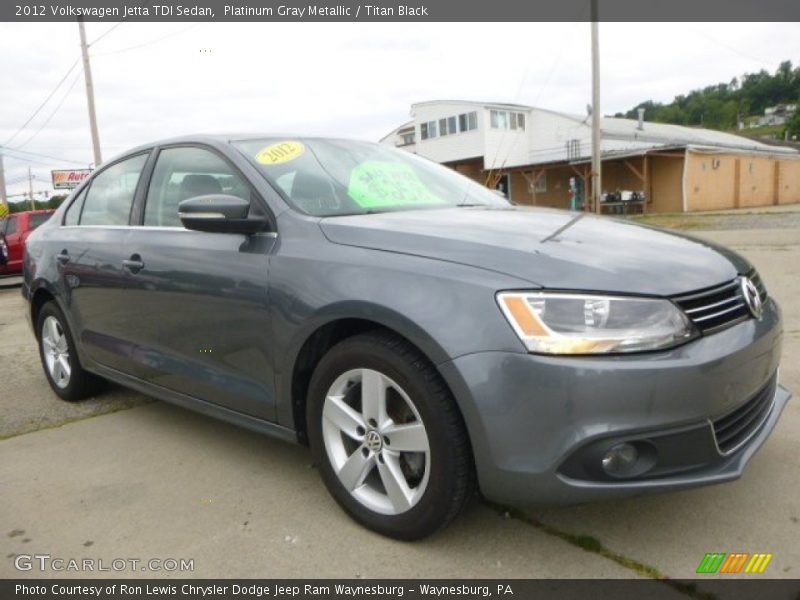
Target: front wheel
x=388, y=437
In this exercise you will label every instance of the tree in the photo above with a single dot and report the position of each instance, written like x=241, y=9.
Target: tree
x=793, y=127
x=720, y=106
x=56, y=200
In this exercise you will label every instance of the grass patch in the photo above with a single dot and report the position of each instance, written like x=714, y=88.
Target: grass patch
x=679, y=221
x=591, y=544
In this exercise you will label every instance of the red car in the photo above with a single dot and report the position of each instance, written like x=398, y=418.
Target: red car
x=14, y=230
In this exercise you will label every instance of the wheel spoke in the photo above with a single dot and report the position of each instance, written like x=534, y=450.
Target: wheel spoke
x=355, y=469
x=344, y=417
x=52, y=329
x=48, y=344
x=63, y=361
x=50, y=360
x=407, y=438
x=373, y=396
x=57, y=372
x=395, y=483
x=61, y=344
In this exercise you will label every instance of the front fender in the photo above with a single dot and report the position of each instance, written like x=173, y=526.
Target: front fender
x=445, y=309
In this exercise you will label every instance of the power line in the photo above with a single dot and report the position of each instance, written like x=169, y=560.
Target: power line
x=52, y=114
x=77, y=162
x=28, y=160
x=105, y=33
x=150, y=43
x=42, y=105
x=732, y=48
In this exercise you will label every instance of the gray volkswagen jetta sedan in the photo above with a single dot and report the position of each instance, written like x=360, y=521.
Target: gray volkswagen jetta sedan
x=423, y=336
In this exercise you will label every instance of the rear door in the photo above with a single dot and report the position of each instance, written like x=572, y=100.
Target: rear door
x=199, y=300
x=92, y=248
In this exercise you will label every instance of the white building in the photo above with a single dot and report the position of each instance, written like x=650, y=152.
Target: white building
x=531, y=153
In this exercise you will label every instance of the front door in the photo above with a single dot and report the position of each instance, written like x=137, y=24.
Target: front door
x=199, y=300
x=504, y=186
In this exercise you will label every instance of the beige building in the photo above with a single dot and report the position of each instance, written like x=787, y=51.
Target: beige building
x=541, y=157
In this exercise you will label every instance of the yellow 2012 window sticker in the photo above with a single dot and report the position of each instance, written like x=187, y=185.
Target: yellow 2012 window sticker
x=280, y=152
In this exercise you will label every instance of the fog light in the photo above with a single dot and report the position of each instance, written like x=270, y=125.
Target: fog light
x=620, y=459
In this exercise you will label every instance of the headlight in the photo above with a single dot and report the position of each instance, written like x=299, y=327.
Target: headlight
x=562, y=323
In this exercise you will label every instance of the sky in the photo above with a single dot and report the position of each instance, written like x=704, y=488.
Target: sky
x=356, y=80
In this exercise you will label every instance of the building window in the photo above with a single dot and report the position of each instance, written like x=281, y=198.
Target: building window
x=540, y=187
x=573, y=149
x=467, y=121
x=427, y=130
x=498, y=119
x=408, y=139
x=503, y=119
x=449, y=125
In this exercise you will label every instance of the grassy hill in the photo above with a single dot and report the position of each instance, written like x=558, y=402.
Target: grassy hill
x=721, y=105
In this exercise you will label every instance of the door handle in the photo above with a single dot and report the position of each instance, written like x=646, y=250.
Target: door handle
x=134, y=264
x=63, y=258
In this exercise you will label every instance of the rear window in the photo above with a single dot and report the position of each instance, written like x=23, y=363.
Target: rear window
x=38, y=219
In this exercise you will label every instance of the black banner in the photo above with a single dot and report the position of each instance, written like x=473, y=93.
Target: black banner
x=364, y=589
x=394, y=10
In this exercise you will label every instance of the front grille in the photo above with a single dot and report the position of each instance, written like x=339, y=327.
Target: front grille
x=735, y=428
x=721, y=306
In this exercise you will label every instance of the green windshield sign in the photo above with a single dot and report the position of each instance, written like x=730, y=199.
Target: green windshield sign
x=382, y=184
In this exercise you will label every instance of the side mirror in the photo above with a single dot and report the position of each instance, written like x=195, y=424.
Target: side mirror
x=219, y=213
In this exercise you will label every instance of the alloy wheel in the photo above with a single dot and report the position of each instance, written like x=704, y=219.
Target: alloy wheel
x=56, y=352
x=376, y=441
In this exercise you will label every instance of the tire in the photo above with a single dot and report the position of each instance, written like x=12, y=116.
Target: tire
x=354, y=452
x=59, y=357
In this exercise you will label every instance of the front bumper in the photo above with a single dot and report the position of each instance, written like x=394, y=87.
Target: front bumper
x=529, y=416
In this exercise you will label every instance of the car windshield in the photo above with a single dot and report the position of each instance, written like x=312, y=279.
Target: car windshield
x=340, y=177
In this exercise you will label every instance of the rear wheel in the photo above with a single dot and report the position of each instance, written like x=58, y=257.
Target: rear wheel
x=60, y=359
x=388, y=437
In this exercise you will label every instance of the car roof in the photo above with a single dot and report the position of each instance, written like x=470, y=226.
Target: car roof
x=222, y=138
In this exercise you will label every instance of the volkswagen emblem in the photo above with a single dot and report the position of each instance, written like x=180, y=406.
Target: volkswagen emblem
x=374, y=441
x=752, y=298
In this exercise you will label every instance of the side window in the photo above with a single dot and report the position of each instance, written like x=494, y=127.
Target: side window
x=109, y=199
x=11, y=225
x=183, y=173
x=74, y=210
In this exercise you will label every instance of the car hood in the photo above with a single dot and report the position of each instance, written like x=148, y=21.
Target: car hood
x=549, y=248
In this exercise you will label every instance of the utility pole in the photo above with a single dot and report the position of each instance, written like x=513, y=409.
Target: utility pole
x=3, y=191
x=87, y=77
x=596, y=160
x=30, y=189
